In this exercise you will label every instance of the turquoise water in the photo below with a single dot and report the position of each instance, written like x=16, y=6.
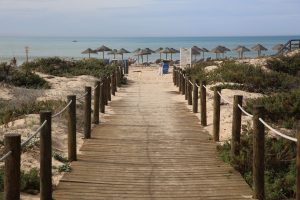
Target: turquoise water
x=64, y=47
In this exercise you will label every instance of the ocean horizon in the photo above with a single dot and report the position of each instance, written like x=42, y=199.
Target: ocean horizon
x=41, y=46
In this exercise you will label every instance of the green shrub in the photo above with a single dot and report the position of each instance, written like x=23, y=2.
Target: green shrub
x=30, y=180
x=59, y=157
x=65, y=168
x=21, y=78
x=59, y=67
x=280, y=167
x=289, y=65
x=10, y=112
x=282, y=108
x=252, y=78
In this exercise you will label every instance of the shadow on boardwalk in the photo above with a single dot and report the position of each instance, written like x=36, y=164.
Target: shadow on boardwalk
x=150, y=147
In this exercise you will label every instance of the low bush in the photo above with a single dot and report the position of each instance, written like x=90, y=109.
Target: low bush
x=280, y=166
x=285, y=64
x=10, y=112
x=21, y=78
x=282, y=108
x=58, y=67
x=29, y=180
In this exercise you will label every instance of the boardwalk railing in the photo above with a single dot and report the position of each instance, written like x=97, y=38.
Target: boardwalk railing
x=12, y=157
x=186, y=86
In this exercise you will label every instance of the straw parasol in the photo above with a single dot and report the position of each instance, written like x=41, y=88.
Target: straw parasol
x=259, y=48
x=196, y=51
x=136, y=53
x=173, y=51
x=141, y=53
x=236, y=48
x=89, y=51
x=147, y=52
x=103, y=49
x=204, y=50
x=122, y=51
x=113, y=52
x=241, y=50
x=217, y=50
x=159, y=51
x=278, y=47
x=166, y=51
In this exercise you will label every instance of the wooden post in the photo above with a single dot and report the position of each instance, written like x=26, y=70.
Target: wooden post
x=119, y=77
x=236, y=126
x=109, y=88
x=216, y=117
x=183, y=83
x=12, y=174
x=113, y=84
x=174, y=72
x=87, y=112
x=195, y=96
x=46, y=157
x=186, y=80
x=105, y=84
x=102, y=98
x=115, y=81
x=190, y=88
x=96, y=119
x=298, y=163
x=203, y=114
x=72, y=154
x=176, y=77
x=258, y=153
x=180, y=80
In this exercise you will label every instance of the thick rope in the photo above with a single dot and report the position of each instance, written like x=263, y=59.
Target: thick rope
x=277, y=132
x=65, y=108
x=244, y=111
x=82, y=96
x=5, y=156
x=34, y=134
x=226, y=100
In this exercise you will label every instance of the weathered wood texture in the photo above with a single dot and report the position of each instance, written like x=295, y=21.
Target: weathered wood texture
x=152, y=147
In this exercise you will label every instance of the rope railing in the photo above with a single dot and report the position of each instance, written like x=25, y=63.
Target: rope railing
x=82, y=96
x=33, y=135
x=244, y=111
x=198, y=86
x=191, y=82
x=4, y=157
x=224, y=99
x=277, y=132
x=63, y=110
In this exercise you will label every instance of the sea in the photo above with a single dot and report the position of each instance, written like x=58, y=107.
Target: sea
x=71, y=47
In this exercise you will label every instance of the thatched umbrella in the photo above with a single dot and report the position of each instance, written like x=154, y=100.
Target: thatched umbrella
x=173, y=51
x=217, y=50
x=236, y=48
x=259, y=48
x=103, y=49
x=113, y=52
x=159, y=51
x=136, y=53
x=225, y=49
x=147, y=52
x=166, y=51
x=204, y=50
x=278, y=47
x=196, y=51
x=241, y=50
x=89, y=51
x=122, y=51
x=141, y=53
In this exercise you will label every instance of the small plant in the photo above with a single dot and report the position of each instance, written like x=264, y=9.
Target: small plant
x=59, y=157
x=30, y=180
x=65, y=168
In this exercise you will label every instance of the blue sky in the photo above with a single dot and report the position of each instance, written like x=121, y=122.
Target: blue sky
x=149, y=17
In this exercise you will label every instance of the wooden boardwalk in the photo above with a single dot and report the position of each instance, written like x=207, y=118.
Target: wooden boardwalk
x=151, y=147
